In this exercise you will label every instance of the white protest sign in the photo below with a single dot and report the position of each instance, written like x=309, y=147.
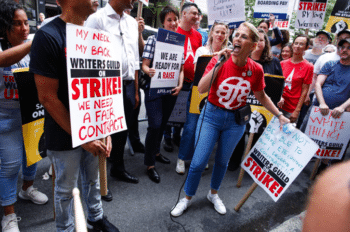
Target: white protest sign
x=311, y=14
x=146, y=2
x=331, y=134
x=278, y=157
x=228, y=11
x=278, y=8
x=167, y=60
x=94, y=84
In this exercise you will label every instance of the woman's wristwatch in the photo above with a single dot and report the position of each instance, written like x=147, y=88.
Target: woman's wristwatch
x=279, y=114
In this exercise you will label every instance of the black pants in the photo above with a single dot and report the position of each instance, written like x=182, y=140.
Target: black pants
x=119, y=139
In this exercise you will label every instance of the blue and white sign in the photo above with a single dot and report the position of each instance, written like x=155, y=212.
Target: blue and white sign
x=227, y=11
x=167, y=60
x=278, y=8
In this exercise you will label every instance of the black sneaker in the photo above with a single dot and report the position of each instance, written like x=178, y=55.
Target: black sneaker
x=102, y=225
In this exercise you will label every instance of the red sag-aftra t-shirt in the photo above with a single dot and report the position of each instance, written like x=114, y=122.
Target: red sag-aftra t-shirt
x=295, y=76
x=233, y=83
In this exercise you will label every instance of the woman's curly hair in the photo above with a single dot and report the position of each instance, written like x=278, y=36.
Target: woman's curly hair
x=7, y=12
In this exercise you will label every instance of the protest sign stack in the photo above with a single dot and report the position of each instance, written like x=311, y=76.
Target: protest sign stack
x=277, y=159
x=94, y=87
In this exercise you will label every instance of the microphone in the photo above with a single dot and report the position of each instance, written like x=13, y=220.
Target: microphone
x=223, y=58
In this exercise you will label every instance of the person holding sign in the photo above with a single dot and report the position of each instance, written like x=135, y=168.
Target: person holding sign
x=49, y=65
x=14, y=49
x=113, y=19
x=298, y=73
x=232, y=80
x=216, y=42
x=265, y=25
x=271, y=65
x=158, y=108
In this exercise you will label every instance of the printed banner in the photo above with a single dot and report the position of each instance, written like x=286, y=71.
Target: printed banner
x=278, y=157
x=178, y=115
x=94, y=84
x=278, y=8
x=146, y=2
x=340, y=17
x=332, y=135
x=167, y=61
x=311, y=14
x=281, y=23
x=260, y=116
x=32, y=113
x=228, y=11
x=198, y=100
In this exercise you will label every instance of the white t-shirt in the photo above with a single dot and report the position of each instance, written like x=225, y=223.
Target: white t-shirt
x=201, y=52
x=107, y=19
x=324, y=59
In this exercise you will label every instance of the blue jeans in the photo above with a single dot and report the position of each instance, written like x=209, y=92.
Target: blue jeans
x=68, y=166
x=158, y=111
x=218, y=125
x=186, y=148
x=12, y=155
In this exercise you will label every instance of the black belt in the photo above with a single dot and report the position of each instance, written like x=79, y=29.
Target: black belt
x=128, y=82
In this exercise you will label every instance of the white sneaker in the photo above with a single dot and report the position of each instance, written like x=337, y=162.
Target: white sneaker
x=180, y=166
x=218, y=205
x=9, y=223
x=34, y=195
x=180, y=207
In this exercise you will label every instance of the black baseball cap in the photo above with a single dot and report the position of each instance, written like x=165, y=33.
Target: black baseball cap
x=325, y=33
x=341, y=42
x=343, y=31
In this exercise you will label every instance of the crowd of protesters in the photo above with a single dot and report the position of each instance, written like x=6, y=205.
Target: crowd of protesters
x=316, y=76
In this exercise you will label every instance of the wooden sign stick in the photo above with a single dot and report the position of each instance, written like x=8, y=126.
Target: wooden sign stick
x=247, y=149
x=182, y=3
x=246, y=196
x=314, y=170
x=103, y=172
x=139, y=10
x=80, y=224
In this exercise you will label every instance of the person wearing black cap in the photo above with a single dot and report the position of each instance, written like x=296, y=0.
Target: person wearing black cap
x=321, y=40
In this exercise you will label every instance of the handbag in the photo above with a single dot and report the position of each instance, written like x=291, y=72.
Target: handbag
x=242, y=115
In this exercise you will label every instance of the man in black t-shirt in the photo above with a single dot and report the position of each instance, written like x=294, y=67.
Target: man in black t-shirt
x=48, y=63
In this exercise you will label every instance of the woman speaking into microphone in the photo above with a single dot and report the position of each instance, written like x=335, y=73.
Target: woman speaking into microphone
x=229, y=85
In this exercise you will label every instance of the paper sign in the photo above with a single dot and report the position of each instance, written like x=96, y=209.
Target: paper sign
x=94, y=84
x=228, y=11
x=311, y=14
x=332, y=135
x=167, y=61
x=278, y=157
x=278, y=8
x=340, y=17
